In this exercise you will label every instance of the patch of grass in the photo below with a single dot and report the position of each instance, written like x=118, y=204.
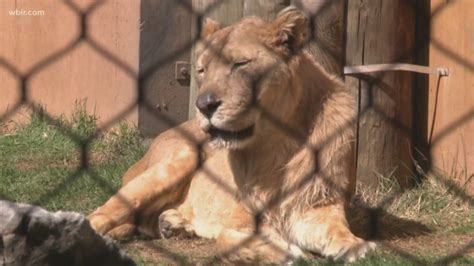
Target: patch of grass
x=42, y=162
x=430, y=202
x=467, y=227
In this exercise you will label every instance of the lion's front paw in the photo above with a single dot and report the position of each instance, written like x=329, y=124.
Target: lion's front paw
x=172, y=223
x=350, y=250
x=101, y=223
x=122, y=232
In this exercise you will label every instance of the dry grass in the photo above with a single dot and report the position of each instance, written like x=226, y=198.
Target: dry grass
x=431, y=202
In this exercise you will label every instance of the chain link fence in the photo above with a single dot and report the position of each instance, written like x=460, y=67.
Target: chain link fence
x=84, y=144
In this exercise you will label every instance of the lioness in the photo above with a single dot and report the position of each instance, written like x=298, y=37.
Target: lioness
x=274, y=172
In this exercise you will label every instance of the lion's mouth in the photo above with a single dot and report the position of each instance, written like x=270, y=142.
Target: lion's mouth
x=231, y=135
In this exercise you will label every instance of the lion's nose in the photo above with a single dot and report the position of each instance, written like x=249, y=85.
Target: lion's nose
x=207, y=103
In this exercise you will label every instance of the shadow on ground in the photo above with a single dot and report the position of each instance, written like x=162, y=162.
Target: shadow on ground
x=378, y=224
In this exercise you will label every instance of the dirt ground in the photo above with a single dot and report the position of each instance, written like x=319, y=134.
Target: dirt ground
x=400, y=241
x=171, y=251
x=441, y=245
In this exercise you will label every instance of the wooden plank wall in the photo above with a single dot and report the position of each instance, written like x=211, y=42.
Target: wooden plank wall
x=451, y=99
x=80, y=74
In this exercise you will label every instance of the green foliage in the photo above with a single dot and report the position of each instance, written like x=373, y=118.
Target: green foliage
x=83, y=125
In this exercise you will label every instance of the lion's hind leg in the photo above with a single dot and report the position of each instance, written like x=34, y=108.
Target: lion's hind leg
x=325, y=230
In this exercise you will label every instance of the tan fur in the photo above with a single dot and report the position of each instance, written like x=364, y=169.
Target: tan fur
x=292, y=176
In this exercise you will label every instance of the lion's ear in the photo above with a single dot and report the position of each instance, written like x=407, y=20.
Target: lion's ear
x=209, y=27
x=292, y=29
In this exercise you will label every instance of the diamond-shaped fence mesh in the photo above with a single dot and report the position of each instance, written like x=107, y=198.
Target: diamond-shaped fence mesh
x=84, y=145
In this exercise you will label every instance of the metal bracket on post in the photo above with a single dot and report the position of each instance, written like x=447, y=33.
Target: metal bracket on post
x=440, y=71
x=182, y=72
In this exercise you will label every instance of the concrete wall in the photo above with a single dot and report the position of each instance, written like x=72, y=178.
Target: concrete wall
x=451, y=104
x=81, y=73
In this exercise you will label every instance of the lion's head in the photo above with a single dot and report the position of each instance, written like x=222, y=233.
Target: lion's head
x=244, y=69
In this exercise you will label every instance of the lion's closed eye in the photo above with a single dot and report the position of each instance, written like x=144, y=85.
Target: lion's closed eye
x=240, y=63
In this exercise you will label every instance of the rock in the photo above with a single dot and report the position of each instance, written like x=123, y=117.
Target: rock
x=31, y=235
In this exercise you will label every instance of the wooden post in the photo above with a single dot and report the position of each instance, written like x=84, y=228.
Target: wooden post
x=266, y=9
x=225, y=12
x=382, y=32
x=164, y=32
